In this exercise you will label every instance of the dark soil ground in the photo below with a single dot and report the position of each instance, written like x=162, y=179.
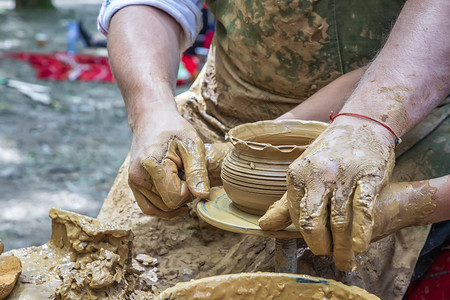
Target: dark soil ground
x=63, y=155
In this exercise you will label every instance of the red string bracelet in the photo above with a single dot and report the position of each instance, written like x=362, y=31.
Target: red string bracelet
x=397, y=139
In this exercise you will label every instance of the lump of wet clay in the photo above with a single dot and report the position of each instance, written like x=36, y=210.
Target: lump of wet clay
x=10, y=269
x=84, y=259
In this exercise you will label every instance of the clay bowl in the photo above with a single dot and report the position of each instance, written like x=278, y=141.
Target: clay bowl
x=261, y=286
x=254, y=172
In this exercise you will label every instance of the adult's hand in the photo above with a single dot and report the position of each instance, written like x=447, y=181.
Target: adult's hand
x=332, y=188
x=144, y=45
x=164, y=151
x=399, y=205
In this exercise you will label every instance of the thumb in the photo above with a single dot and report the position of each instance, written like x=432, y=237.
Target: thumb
x=194, y=162
x=277, y=216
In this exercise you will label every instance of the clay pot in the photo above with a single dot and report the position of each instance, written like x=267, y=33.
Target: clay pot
x=254, y=172
x=261, y=286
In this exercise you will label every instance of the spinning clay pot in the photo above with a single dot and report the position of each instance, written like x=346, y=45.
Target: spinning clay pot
x=254, y=172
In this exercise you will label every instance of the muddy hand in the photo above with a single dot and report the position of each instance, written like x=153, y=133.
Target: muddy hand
x=277, y=216
x=404, y=204
x=399, y=205
x=335, y=182
x=163, y=153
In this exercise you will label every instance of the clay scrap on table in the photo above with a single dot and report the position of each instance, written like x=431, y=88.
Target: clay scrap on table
x=83, y=259
x=10, y=269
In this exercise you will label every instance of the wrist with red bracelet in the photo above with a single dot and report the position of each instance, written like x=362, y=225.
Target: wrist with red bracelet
x=397, y=139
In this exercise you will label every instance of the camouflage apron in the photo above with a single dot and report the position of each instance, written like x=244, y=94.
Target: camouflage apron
x=269, y=56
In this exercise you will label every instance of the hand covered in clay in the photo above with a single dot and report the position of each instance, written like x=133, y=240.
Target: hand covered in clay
x=399, y=205
x=332, y=188
x=164, y=151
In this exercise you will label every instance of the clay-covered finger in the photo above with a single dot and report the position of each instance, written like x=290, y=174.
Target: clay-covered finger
x=294, y=195
x=172, y=190
x=309, y=213
x=149, y=209
x=341, y=229
x=194, y=162
x=363, y=213
x=277, y=217
x=140, y=180
x=153, y=197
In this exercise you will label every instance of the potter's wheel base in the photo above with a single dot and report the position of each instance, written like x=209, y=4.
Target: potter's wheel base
x=220, y=212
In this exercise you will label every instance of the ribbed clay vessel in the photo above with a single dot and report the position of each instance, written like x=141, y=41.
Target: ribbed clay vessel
x=254, y=172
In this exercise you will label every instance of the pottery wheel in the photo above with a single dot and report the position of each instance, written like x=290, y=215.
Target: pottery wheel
x=220, y=212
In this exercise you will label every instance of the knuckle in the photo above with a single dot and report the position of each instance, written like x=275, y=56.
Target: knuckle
x=310, y=225
x=197, y=174
x=293, y=174
x=339, y=223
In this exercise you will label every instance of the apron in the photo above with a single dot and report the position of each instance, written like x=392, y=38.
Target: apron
x=269, y=56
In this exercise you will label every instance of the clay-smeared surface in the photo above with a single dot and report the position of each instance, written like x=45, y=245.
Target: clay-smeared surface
x=83, y=259
x=10, y=269
x=256, y=286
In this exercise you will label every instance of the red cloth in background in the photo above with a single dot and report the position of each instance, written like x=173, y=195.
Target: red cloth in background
x=208, y=39
x=64, y=66
x=190, y=63
x=435, y=285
